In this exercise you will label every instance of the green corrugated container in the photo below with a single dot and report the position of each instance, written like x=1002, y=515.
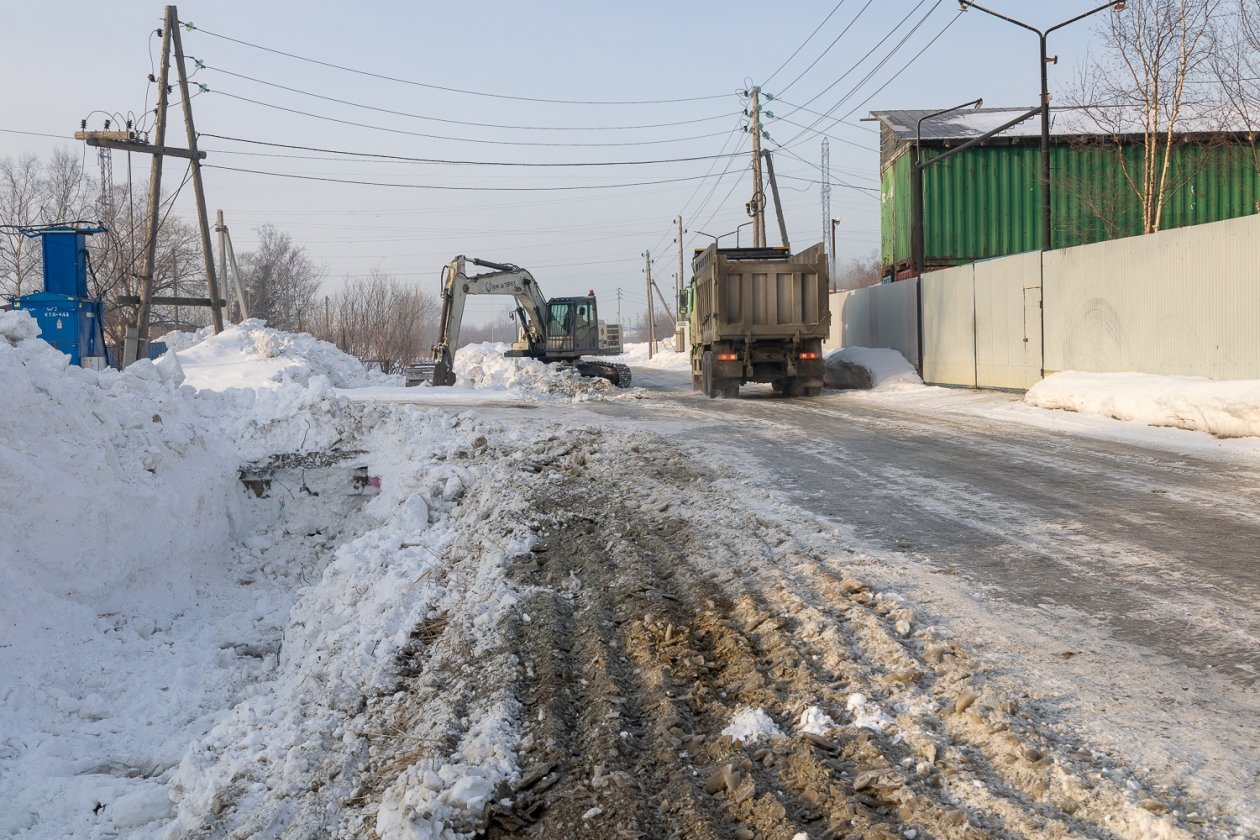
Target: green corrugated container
x=985, y=202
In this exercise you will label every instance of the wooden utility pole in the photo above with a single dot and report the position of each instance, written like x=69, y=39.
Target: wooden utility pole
x=681, y=276
x=221, y=229
x=136, y=344
x=242, y=299
x=778, y=204
x=757, y=207
x=668, y=310
x=212, y=283
x=651, y=314
x=679, y=327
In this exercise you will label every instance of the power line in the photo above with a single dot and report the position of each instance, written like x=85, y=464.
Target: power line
x=904, y=67
x=36, y=134
x=891, y=53
x=326, y=118
x=430, y=86
x=869, y=52
x=797, y=51
x=407, y=159
x=464, y=122
x=834, y=41
x=833, y=137
x=452, y=187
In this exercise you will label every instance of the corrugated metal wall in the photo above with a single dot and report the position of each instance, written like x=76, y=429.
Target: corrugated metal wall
x=1182, y=302
x=1008, y=321
x=877, y=316
x=949, y=326
x=1179, y=302
x=985, y=202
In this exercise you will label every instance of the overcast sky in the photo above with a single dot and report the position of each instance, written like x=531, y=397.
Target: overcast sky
x=77, y=59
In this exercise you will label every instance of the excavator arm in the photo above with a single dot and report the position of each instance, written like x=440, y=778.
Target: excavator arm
x=457, y=285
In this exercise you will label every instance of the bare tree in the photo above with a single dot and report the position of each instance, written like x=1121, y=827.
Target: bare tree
x=1152, y=50
x=861, y=272
x=21, y=203
x=380, y=320
x=502, y=327
x=1236, y=72
x=282, y=282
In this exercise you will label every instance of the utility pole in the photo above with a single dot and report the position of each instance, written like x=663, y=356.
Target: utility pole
x=681, y=275
x=668, y=311
x=757, y=207
x=651, y=313
x=137, y=341
x=825, y=195
x=679, y=326
x=778, y=204
x=242, y=300
x=619, y=306
x=221, y=229
x=212, y=284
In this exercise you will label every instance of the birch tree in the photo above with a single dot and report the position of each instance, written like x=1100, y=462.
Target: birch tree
x=1138, y=87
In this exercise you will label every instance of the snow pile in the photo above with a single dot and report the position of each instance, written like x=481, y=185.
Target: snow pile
x=1229, y=408
x=867, y=715
x=274, y=756
x=869, y=367
x=253, y=355
x=636, y=355
x=815, y=722
x=749, y=725
x=136, y=598
x=483, y=366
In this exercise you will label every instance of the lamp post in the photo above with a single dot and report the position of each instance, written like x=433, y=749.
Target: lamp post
x=916, y=185
x=739, y=227
x=1042, y=35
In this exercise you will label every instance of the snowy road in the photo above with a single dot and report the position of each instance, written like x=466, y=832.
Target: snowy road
x=1113, y=569
x=1157, y=545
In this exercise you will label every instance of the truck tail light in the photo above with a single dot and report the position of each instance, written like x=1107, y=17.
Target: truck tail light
x=809, y=356
x=728, y=357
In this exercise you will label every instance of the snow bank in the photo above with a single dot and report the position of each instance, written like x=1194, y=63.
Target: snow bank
x=869, y=368
x=749, y=725
x=1223, y=408
x=484, y=367
x=636, y=355
x=138, y=592
x=253, y=355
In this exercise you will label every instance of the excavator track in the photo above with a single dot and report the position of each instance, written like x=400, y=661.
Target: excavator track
x=615, y=372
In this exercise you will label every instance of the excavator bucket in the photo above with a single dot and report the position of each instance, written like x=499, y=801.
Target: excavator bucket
x=432, y=373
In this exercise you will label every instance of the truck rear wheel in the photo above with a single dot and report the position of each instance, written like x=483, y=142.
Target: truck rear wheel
x=706, y=375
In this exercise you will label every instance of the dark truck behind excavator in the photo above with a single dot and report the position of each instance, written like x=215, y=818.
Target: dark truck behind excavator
x=758, y=315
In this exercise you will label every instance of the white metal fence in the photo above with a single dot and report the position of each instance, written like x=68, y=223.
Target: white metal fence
x=1180, y=302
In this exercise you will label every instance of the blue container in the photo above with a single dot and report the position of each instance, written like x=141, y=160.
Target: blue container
x=65, y=261
x=71, y=324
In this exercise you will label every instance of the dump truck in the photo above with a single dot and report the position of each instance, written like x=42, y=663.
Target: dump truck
x=758, y=315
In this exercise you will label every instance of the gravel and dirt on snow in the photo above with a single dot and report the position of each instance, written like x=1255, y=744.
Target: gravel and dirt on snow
x=323, y=617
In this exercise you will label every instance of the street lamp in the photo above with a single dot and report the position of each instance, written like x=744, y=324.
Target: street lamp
x=1118, y=5
x=738, y=228
x=916, y=185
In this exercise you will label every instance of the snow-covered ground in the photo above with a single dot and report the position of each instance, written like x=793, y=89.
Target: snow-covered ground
x=867, y=367
x=1224, y=408
x=250, y=591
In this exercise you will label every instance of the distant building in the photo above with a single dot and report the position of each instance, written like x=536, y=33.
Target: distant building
x=985, y=201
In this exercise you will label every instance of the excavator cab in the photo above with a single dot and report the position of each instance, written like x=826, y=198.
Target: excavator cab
x=572, y=327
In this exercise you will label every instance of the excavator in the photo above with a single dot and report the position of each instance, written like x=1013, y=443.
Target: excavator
x=560, y=330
